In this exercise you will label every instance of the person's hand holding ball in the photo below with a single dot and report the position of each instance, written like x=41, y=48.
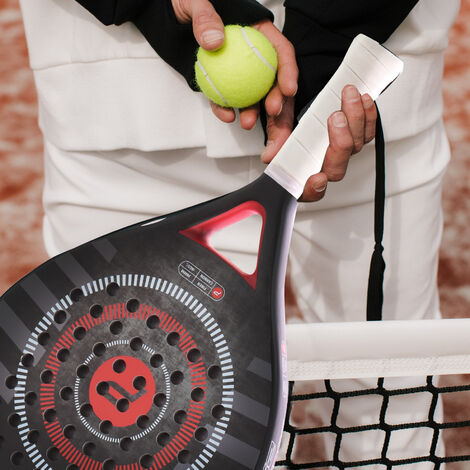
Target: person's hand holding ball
x=241, y=72
x=236, y=68
x=209, y=32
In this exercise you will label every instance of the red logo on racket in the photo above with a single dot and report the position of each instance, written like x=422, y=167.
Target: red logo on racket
x=121, y=390
x=217, y=293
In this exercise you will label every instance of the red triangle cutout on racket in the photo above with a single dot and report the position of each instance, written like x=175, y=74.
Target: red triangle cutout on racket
x=202, y=233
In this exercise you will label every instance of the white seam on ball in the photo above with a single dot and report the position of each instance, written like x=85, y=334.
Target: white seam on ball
x=256, y=51
x=211, y=82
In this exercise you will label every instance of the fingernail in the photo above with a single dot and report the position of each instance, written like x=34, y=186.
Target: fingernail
x=339, y=120
x=212, y=36
x=266, y=150
x=321, y=189
x=367, y=101
x=269, y=145
x=351, y=93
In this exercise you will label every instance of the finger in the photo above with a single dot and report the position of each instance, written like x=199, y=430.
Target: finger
x=279, y=129
x=181, y=9
x=315, y=188
x=208, y=27
x=274, y=101
x=351, y=105
x=224, y=114
x=249, y=116
x=370, y=117
x=287, y=70
x=340, y=148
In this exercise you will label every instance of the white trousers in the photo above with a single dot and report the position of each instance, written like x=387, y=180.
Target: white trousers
x=88, y=194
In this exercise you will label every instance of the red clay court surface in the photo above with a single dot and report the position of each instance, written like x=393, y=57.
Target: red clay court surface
x=21, y=177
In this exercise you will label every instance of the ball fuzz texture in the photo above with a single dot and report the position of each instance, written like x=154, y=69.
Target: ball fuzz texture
x=241, y=72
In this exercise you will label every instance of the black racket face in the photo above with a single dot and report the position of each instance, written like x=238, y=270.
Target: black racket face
x=143, y=349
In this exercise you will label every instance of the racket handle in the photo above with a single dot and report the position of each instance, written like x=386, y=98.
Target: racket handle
x=368, y=66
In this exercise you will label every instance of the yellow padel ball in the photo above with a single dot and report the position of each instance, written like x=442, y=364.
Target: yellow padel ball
x=241, y=72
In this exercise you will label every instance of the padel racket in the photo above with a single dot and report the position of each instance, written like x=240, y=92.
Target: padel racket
x=145, y=348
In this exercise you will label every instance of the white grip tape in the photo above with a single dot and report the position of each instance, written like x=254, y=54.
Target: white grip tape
x=368, y=66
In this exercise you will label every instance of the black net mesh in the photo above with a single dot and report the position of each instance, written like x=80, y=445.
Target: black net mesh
x=426, y=423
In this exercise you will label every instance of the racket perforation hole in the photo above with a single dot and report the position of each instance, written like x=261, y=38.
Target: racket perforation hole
x=27, y=360
x=122, y=405
x=201, y=434
x=139, y=382
x=163, y=439
x=46, y=376
x=79, y=333
x=63, y=355
x=159, y=399
x=66, y=393
x=43, y=338
x=156, y=360
x=112, y=288
x=106, y=426
x=60, y=316
x=96, y=311
x=82, y=371
x=16, y=458
x=180, y=416
x=88, y=448
x=146, y=461
x=119, y=366
x=218, y=411
x=125, y=443
x=33, y=436
x=99, y=349
x=194, y=355
x=30, y=398
x=116, y=327
x=153, y=321
x=14, y=419
x=11, y=382
x=76, y=294
x=173, y=338
x=102, y=388
x=143, y=422
x=136, y=344
x=197, y=394
x=86, y=410
x=50, y=415
x=132, y=305
x=52, y=453
x=184, y=456
x=109, y=464
x=177, y=377
x=69, y=431
x=214, y=372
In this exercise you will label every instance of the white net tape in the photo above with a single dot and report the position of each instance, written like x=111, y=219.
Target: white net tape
x=378, y=349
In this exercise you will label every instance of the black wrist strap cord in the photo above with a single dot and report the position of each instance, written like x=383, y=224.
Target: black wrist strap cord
x=377, y=264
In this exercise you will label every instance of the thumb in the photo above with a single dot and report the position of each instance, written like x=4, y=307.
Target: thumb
x=208, y=27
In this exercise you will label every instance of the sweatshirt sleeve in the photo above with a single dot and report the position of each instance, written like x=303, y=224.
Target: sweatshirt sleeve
x=173, y=42
x=321, y=32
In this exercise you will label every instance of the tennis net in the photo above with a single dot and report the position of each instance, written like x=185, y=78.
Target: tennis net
x=378, y=395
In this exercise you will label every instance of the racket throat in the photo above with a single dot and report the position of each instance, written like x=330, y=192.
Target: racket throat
x=284, y=179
